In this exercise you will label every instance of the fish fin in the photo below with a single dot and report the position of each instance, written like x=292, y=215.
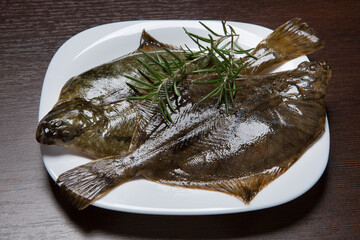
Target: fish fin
x=289, y=41
x=148, y=44
x=85, y=184
x=244, y=189
x=146, y=114
x=247, y=188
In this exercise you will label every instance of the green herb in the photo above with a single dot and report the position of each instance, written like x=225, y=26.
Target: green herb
x=164, y=75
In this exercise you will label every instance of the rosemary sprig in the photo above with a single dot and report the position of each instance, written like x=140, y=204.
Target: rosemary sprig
x=162, y=82
x=164, y=75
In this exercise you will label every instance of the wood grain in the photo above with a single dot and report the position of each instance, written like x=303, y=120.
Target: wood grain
x=31, y=206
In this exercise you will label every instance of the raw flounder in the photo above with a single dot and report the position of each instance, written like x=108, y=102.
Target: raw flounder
x=92, y=115
x=275, y=119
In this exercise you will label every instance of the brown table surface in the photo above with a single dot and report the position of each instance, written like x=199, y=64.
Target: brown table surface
x=30, y=203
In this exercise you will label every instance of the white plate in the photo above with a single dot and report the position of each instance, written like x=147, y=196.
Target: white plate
x=104, y=43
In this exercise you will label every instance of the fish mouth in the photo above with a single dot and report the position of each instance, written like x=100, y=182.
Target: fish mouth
x=49, y=135
x=42, y=135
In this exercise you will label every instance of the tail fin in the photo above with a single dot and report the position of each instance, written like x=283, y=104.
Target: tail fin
x=291, y=40
x=89, y=182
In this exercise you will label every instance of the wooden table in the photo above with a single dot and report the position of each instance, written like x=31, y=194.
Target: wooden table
x=31, y=206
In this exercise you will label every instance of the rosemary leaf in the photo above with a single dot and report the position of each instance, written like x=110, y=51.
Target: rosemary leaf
x=226, y=103
x=220, y=97
x=151, y=70
x=176, y=90
x=232, y=29
x=138, y=87
x=164, y=110
x=207, y=40
x=222, y=55
x=142, y=97
x=206, y=82
x=219, y=67
x=244, y=51
x=147, y=77
x=204, y=70
x=232, y=99
x=151, y=58
x=133, y=87
x=153, y=100
x=168, y=68
x=168, y=99
x=225, y=46
x=139, y=81
x=211, y=94
x=174, y=56
x=207, y=28
x=233, y=89
x=224, y=27
x=218, y=64
x=194, y=40
x=233, y=93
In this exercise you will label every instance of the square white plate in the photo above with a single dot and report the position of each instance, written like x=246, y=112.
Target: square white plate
x=101, y=44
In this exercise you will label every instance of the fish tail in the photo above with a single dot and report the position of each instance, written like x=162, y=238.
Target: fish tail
x=289, y=41
x=85, y=184
x=294, y=38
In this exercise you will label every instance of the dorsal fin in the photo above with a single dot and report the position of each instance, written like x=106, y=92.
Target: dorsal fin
x=148, y=43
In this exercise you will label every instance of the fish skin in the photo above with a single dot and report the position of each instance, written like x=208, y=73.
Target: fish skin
x=97, y=130
x=113, y=121
x=275, y=119
x=269, y=133
x=104, y=87
x=105, y=90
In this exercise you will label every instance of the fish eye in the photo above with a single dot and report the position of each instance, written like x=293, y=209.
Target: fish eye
x=58, y=123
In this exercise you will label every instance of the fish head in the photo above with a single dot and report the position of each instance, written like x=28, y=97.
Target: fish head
x=67, y=121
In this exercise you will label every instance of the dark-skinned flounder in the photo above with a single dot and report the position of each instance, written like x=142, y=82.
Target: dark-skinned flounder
x=92, y=114
x=276, y=117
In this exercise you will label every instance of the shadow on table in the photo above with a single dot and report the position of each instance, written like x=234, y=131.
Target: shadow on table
x=193, y=227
